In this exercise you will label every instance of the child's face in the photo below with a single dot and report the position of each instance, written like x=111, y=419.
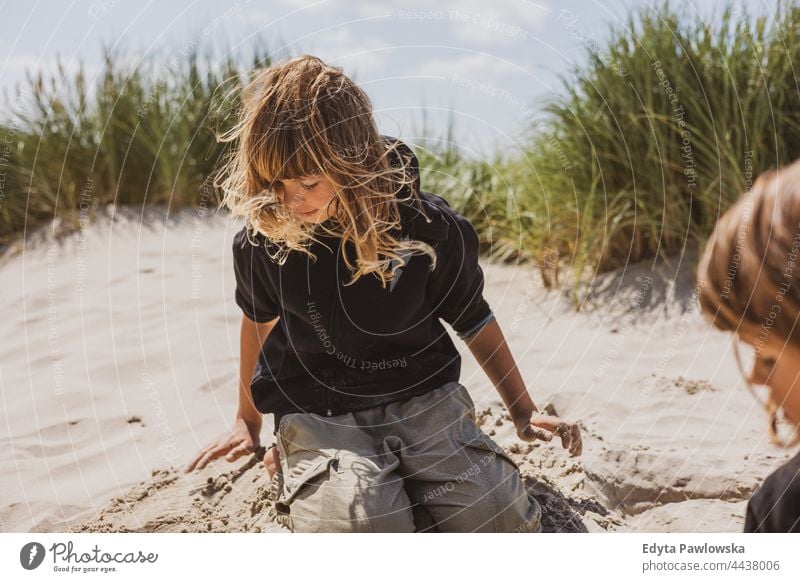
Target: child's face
x=777, y=366
x=307, y=197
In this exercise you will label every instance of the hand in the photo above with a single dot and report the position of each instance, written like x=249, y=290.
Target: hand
x=242, y=438
x=544, y=426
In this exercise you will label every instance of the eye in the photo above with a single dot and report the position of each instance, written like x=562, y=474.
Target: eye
x=309, y=186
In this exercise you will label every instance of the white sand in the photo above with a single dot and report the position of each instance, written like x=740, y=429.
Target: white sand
x=119, y=362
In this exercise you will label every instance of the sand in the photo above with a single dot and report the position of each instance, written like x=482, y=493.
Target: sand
x=120, y=362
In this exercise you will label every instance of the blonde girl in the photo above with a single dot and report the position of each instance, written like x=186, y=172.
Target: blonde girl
x=344, y=268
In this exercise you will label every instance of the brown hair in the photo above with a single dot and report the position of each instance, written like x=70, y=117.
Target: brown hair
x=303, y=117
x=749, y=271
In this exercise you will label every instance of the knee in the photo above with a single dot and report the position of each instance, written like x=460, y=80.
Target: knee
x=346, y=499
x=347, y=510
x=491, y=506
x=520, y=513
x=382, y=512
x=514, y=509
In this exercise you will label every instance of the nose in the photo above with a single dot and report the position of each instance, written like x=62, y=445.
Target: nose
x=291, y=197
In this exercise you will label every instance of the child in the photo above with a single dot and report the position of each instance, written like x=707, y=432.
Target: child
x=345, y=266
x=749, y=279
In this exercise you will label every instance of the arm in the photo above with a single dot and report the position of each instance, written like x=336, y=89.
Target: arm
x=251, y=337
x=490, y=349
x=456, y=292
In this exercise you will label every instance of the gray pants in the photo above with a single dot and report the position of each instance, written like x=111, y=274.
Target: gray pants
x=420, y=464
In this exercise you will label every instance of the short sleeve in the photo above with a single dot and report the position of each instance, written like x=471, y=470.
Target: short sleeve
x=254, y=294
x=456, y=286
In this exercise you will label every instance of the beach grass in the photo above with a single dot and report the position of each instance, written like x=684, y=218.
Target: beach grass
x=140, y=133
x=650, y=138
x=648, y=142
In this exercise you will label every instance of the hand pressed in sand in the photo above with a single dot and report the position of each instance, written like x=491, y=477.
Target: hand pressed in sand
x=242, y=438
x=490, y=349
x=538, y=426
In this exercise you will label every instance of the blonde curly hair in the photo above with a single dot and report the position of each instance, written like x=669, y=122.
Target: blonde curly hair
x=302, y=117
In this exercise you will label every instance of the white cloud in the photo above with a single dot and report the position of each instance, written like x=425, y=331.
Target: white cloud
x=474, y=22
x=470, y=66
x=497, y=23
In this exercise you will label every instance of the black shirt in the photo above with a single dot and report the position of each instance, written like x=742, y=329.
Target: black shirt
x=340, y=348
x=775, y=507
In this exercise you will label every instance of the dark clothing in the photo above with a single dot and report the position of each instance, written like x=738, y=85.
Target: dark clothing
x=344, y=348
x=775, y=507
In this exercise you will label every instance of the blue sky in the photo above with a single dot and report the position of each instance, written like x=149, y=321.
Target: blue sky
x=486, y=65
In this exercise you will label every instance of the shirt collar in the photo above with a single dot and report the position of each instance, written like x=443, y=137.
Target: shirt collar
x=424, y=218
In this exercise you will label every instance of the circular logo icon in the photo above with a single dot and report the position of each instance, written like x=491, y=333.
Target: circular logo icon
x=31, y=555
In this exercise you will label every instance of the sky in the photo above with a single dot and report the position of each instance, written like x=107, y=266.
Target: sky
x=487, y=67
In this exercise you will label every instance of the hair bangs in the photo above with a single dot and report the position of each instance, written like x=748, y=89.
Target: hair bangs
x=283, y=155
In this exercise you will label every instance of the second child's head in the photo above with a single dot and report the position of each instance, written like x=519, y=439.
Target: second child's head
x=309, y=157
x=749, y=284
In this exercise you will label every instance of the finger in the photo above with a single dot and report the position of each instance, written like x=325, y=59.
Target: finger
x=547, y=422
x=574, y=437
x=566, y=435
x=190, y=467
x=193, y=463
x=531, y=432
x=577, y=442
x=212, y=454
x=237, y=452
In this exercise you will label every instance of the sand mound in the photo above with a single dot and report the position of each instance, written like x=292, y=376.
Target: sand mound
x=239, y=500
